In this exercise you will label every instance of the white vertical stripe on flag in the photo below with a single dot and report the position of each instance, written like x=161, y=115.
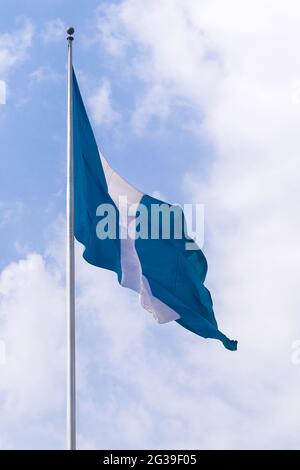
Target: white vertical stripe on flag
x=132, y=276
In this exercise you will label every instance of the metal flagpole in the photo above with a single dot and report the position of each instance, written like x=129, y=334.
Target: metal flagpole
x=70, y=262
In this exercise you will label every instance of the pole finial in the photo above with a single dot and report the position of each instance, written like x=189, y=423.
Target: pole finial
x=70, y=32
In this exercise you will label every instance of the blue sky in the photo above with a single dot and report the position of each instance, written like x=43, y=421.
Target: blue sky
x=188, y=99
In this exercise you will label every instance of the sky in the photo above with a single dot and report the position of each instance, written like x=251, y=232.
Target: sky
x=194, y=101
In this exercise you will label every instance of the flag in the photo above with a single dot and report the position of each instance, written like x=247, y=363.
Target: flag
x=168, y=277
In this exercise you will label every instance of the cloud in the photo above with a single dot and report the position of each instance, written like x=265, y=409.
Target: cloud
x=14, y=47
x=53, y=31
x=2, y=92
x=155, y=104
x=176, y=69
x=45, y=73
x=10, y=212
x=32, y=378
x=100, y=105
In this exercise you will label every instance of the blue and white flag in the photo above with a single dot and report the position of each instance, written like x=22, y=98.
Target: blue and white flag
x=168, y=277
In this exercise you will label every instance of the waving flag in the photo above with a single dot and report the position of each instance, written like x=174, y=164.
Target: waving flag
x=168, y=277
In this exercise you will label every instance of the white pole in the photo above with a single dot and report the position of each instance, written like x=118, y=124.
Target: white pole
x=70, y=263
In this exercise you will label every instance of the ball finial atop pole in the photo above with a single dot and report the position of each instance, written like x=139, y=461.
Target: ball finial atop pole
x=70, y=32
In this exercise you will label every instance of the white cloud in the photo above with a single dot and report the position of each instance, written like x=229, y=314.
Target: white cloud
x=115, y=41
x=155, y=104
x=32, y=378
x=159, y=195
x=2, y=92
x=101, y=107
x=45, y=73
x=10, y=212
x=173, y=67
x=14, y=47
x=53, y=31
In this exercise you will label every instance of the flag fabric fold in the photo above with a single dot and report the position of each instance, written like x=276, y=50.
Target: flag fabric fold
x=168, y=278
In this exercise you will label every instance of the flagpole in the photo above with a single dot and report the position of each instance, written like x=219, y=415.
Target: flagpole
x=70, y=261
